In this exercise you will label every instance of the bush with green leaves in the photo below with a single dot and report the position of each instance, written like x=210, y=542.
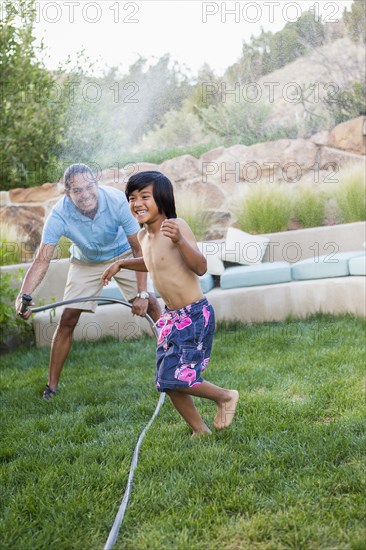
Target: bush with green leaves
x=31, y=121
x=12, y=327
x=350, y=194
x=263, y=208
x=309, y=206
x=242, y=122
x=191, y=207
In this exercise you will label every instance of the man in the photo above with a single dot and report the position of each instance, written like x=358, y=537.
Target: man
x=99, y=223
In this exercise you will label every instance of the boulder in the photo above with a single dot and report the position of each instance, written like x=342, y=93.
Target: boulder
x=211, y=194
x=350, y=136
x=4, y=198
x=114, y=177
x=181, y=168
x=321, y=138
x=338, y=159
x=281, y=154
x=212, y=155
x=41, y=194
x=237, y=151
x=28, y=220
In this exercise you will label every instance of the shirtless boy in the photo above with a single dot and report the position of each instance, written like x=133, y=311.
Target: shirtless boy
x=186, y=328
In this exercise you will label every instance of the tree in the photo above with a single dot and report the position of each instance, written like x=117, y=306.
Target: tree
x=355, y=21
x=31, y=122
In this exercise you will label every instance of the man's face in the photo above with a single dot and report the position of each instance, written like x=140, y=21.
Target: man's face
x=83, y=192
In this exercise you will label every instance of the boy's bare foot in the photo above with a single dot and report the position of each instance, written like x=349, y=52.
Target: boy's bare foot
x=226, y=410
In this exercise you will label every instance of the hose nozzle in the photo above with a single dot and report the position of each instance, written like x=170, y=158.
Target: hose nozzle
x=26, y=302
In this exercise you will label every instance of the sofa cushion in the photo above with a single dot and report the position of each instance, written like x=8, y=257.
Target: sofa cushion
x=212, y=252
x=206, y=282
x=325, y=266
x=261, y=274
x=242, y=248
x=357, y=266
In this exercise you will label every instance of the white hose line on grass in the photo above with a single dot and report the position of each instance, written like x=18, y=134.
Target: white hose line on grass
x=122, y=509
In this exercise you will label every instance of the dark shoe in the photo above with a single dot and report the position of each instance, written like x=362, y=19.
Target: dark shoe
x=48, y=394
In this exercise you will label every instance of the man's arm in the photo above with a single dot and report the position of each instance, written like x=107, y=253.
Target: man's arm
x=35, y=274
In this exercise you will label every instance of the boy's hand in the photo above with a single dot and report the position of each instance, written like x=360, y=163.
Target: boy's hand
x=170, y=229
x=110, y=272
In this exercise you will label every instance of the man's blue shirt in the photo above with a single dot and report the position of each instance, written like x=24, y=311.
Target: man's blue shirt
x=94, y=240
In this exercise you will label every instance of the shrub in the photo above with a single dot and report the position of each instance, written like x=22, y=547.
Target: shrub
x=264, y=209
x=63, y=248
x=191, y=208
x=12, y=245
x=13, y=329
x=309, y=206
x=350, y=195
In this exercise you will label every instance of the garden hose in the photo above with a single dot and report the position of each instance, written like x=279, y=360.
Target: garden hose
x=113, y=534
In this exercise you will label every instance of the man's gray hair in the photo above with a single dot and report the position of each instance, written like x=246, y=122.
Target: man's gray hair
x=76, y=169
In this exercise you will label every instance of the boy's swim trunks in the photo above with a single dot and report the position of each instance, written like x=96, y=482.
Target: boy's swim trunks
x=184, y=345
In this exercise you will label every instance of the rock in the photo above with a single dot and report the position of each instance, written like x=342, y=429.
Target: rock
x=43, y=193
x=237, y=151
x=181, y=168
x=4, y=198
x=144, y=166
x=283, y=154
x=321, y=138
x=114, y=177
x=211, y=194
x=335, y=159
x=28, y=220
x=350, y=136
x=212, y=155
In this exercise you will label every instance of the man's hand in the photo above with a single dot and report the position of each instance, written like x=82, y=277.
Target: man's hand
x=18, y=307
x=170, y=229
x=110, y=272
x=139, y=307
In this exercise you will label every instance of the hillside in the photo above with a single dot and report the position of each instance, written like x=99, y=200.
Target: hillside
x=327, y=67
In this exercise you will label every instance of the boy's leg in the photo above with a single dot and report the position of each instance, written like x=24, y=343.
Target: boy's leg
x=186, y=408
x=226, y=401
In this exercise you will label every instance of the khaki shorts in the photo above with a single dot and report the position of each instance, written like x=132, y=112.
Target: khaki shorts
x=83, y=279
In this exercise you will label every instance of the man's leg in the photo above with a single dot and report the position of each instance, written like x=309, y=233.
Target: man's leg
x=61, y=344
x=153, y=309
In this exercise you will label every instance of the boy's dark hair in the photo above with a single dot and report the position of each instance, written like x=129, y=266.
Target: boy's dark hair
x=162, y=190
x=76, y=169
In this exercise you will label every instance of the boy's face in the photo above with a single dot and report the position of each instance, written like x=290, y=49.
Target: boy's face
x=143, y=205
x=83, y=192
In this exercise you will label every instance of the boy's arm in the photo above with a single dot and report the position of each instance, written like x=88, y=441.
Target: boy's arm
x=141, y=276
x=181, y=235
x=134, y=264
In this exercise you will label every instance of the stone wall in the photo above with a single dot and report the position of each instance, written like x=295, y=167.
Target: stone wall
x=216, y=176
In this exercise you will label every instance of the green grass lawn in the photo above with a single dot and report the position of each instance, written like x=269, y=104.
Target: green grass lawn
x=289, y=472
